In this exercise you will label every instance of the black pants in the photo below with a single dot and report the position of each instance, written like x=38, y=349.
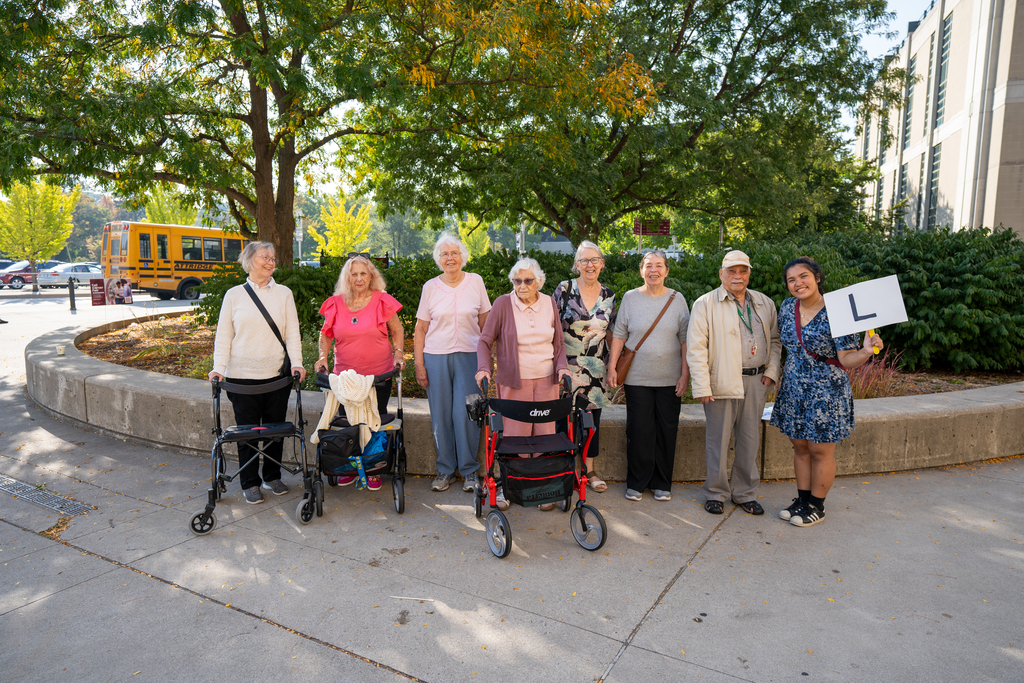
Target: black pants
x=652, y=422
x=254, y=409
x=562, y=427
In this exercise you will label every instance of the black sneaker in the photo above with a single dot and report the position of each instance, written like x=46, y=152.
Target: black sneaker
x=788, y=512
x=807, y=515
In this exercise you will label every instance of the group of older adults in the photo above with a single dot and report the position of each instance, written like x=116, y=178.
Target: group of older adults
x=651, y=344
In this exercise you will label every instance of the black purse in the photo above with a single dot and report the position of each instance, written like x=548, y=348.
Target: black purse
x=286, y=367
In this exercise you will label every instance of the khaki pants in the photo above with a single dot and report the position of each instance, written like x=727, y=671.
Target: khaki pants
x=742, y=417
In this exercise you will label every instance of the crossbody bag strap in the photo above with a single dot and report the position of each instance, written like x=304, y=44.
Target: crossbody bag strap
x=800, y=338
x=656, y=321
x=266, y=315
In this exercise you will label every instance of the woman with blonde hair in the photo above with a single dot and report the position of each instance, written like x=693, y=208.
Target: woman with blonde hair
x=361, y=324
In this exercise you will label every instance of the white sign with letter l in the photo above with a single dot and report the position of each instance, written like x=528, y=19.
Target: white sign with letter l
x=865, y=306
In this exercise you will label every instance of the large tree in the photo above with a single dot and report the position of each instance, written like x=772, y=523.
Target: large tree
x=744, y=90
x=236, y=101
x=35, y=222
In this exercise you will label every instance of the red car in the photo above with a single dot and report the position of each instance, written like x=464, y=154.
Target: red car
x=19, y=274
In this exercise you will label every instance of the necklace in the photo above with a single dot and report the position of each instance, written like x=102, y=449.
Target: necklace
x=808, y=313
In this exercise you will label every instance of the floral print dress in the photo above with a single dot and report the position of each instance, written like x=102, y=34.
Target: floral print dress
x=815, y=401
x=586, y=338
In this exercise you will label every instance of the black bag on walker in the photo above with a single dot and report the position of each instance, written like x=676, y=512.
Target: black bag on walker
x=337, y=446
x=534, y=481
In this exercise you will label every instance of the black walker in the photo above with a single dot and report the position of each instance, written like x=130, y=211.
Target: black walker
x=342, y=439
x=552, y=477
x=256, y=436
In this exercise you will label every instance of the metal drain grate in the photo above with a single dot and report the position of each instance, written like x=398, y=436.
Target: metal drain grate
x=43, y=498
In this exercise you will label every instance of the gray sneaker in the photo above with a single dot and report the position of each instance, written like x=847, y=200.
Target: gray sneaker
x=440, y=483
x=634, y=495
x=278, y=487
x=662, y=495
x=253, y=496
x=470, y=483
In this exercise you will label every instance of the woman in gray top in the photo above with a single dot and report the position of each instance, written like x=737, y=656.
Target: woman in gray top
x=657, y=377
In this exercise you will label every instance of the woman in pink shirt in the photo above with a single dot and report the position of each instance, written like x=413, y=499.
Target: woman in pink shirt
x=453, y=309
x=524, y=328
x=361, y=323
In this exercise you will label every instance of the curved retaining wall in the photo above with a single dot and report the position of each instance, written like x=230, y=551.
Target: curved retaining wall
x=170, y=412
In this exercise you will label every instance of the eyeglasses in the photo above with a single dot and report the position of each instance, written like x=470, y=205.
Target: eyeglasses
x=525, y=281
x=266, y=259
x=590, y=261
x=450, y=254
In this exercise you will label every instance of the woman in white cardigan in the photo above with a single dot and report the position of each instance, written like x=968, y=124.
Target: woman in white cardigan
x=247, y=351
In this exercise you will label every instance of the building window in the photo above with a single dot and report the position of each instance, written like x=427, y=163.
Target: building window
x=940, y=98
x=919, y=195
x=901, y=223
x=928, y=89
x=908, y=106
x=867, y=138
x=879, y=191
x=884, y=126
x=933, y=186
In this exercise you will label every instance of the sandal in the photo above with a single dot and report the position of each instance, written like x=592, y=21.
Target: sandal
x=598, y=484
x=751, y=507
x=715, y=507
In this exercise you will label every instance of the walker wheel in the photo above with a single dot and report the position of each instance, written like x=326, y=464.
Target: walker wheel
x=305, y=510
x=499, y=534
x=332, y=480
x=202, y=522
x=398, y=493
x=478, y=503
x=588, y=527
x=318, y=497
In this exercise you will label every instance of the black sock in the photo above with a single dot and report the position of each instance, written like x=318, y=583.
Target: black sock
x=817, y=502
x=804, y=496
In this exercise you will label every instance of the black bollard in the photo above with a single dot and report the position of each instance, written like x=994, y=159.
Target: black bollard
x=71, y=292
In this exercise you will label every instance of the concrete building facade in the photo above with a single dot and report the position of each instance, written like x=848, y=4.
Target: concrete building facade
x=957, y=157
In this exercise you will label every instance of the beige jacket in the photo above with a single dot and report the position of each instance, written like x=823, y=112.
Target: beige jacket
x=713, y=343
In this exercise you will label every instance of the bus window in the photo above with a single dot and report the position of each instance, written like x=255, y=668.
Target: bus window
x=124, y=242
x=232, y=249
x=192, y=248
x=115, y=245
x=145, y=251
x=103, y=249
x=211, y=250
x=162, y=249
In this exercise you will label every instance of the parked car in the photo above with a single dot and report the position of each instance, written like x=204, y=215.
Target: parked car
x=58, y=275
x=19, y=275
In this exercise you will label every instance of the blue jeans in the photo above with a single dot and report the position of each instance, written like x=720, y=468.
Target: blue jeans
x=449, y=381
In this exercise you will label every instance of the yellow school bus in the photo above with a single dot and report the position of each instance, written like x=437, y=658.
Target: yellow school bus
x=166, y=260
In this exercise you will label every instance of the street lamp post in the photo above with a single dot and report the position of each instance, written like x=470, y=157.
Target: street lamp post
x=298, y=236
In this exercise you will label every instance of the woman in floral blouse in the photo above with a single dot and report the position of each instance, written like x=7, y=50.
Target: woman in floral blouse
x=587, y=311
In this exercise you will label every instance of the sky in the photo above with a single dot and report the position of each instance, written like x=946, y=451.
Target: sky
x=906, y=11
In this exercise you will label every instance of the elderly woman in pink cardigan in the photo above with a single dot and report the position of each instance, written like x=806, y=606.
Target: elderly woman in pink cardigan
x=524, y=328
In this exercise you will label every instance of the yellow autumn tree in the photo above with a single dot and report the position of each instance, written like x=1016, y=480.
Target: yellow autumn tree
x=167, y=207
x=473, y=234
x=344, y=229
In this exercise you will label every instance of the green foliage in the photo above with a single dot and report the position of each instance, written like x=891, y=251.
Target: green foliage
x=35, y=222
x=167, y=207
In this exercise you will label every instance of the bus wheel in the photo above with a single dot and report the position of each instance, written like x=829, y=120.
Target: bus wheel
x=189, y=289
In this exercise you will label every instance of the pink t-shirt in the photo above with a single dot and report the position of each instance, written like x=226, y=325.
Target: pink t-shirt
x=535, y=325
x=453, y=314
x=360, y=337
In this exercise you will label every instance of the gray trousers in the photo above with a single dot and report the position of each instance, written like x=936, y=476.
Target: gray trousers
x=742, y=417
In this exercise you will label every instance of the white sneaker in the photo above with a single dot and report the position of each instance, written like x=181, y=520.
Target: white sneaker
x=502, y=503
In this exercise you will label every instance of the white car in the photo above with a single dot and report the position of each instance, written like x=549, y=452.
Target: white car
x=58, y=275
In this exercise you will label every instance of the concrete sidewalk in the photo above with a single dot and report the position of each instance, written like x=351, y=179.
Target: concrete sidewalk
x=912, y=576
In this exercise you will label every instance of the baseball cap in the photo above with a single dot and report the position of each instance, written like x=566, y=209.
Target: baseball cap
x=736, y=258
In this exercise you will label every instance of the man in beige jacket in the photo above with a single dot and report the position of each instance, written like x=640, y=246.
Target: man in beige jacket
x=733, y=350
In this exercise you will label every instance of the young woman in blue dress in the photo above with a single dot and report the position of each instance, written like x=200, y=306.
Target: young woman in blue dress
x=814, y=407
